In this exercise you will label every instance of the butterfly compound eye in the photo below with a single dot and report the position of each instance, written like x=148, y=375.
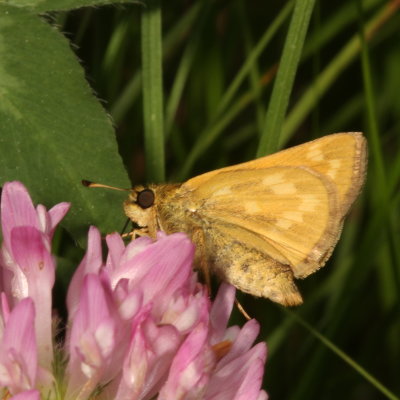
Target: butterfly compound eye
x=145, y=198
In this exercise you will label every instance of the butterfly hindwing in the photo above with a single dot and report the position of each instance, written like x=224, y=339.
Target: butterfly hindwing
x=248, y=269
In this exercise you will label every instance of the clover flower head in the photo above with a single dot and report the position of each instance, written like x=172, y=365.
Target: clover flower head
x=140, y=325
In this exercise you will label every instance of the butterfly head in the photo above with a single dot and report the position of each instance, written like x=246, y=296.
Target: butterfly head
x=138, y=207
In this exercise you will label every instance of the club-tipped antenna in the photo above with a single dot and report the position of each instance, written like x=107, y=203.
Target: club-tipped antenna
x=100, y=185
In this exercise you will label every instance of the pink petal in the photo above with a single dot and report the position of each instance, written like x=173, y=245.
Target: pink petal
x=243, y=342
x=128, y=265
x=158, y=262
x=16, y=209
x=149, y=358
x=18, y=351
x=4, y=313
x=31, y=254
x=254, y=361
x=116, y=248
x=169, y=267
x=136, y=363
x=90, y=264
x=186, y=310
x=49, y=220
x=28, y=395
x=43, y=217
x=262, y=395
x=243, y=373
x=130, y=302
x=190, y=369
x=57, y=213
x=119, y=254
x=221, y=310
x=135, y=247
x=93, y=336
x=164, y=340
x=94, y=308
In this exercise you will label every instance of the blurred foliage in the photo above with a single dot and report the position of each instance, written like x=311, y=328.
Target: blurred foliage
x=220, y=64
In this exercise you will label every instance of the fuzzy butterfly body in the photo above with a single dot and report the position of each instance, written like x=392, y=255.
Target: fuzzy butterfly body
x=261, y=224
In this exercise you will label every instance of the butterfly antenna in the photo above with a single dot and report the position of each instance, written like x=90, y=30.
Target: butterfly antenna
x=100, y=185
x=91, y=184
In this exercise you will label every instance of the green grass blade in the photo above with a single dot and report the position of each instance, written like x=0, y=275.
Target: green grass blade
x=152, y=90
x=374, y=137
x=348, y=360
x=328, y=76
x=285, y=77
x=42, y=6
x=376, y=150
x=126, y=99
x=210, y=135
x=171, y=40
x=344, y=114
x=254, y=75
x=340, y=19
x=222, y=117
x=183, y=70
x=113, y=57
x=253, y=57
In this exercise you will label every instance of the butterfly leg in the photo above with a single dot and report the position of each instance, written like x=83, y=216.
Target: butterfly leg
x=136, y=233
x=139, y=232
x=242, y=310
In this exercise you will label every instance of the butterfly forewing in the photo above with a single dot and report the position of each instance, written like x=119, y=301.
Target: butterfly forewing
x=287, y=213
x=340, y=157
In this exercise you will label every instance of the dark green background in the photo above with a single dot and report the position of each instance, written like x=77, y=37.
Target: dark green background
x=71, y=109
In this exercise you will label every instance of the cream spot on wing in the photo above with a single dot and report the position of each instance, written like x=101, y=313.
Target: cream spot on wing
x=315, y=154
x=252, y=207
x=295, y=216
x=223, y=191
x=308, y=203
x=283, y=223
x=272, y=179
x=284, y=188
x=334, y=168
